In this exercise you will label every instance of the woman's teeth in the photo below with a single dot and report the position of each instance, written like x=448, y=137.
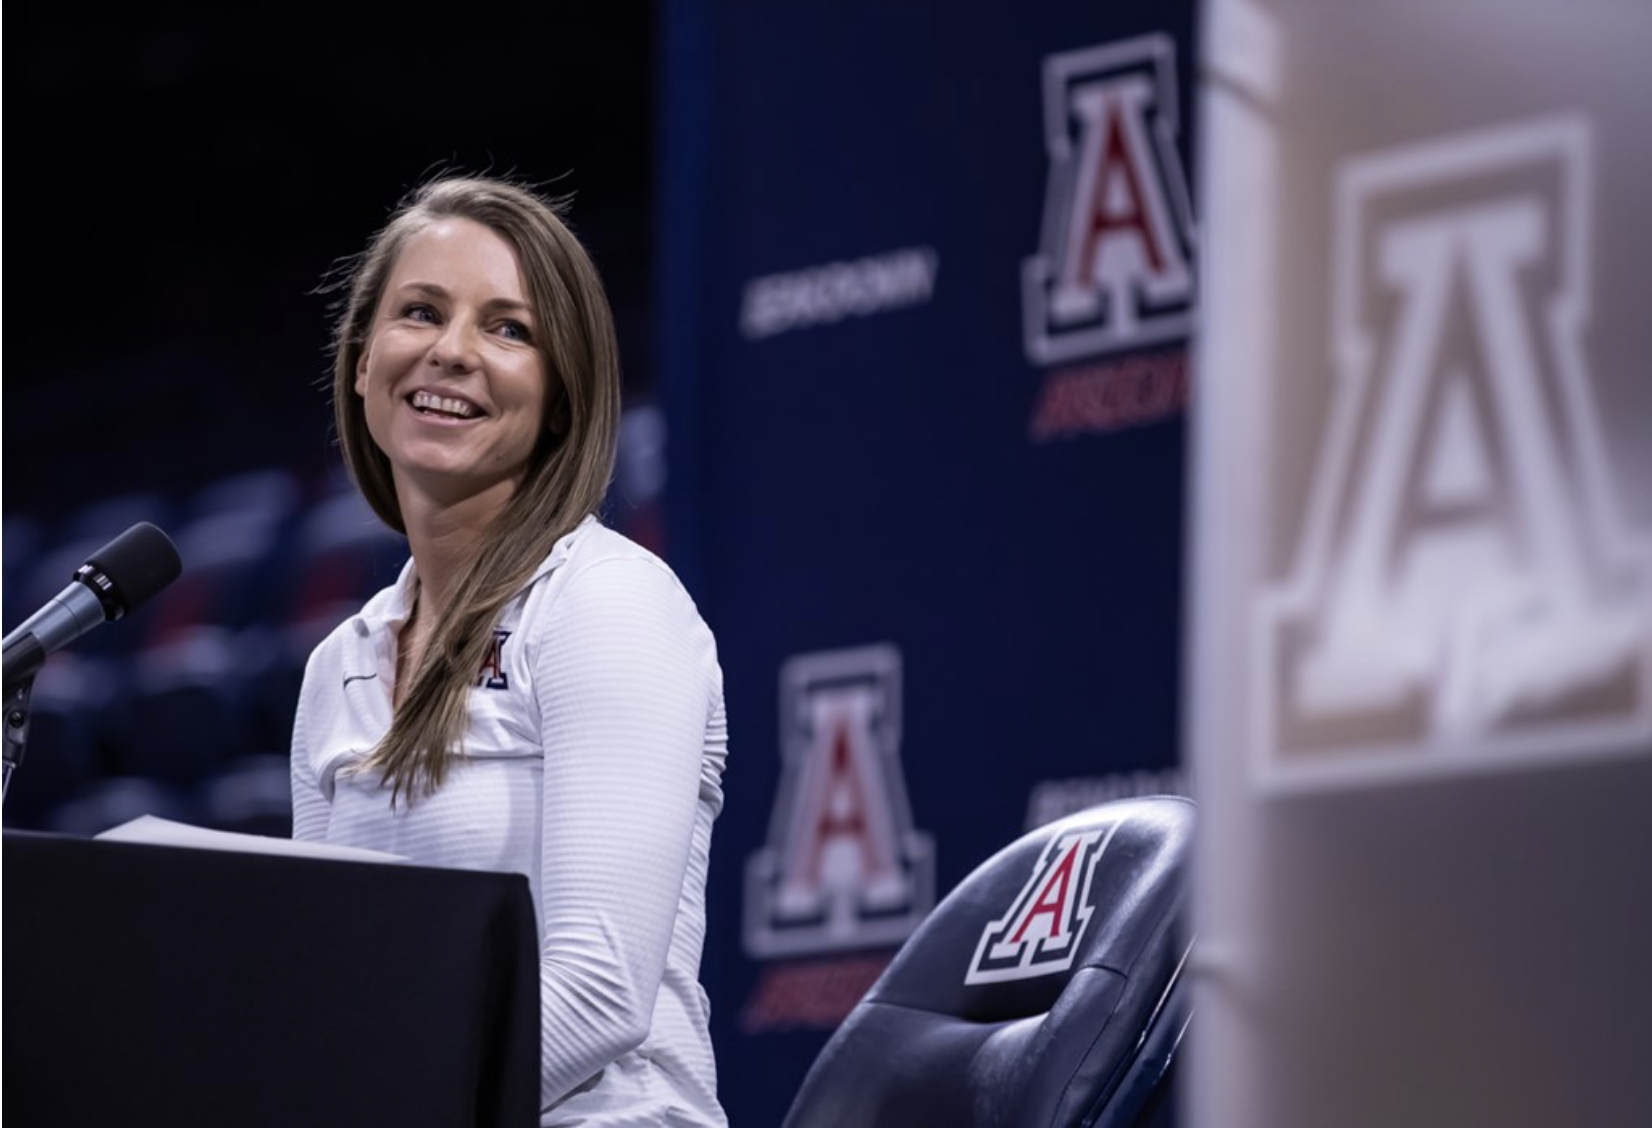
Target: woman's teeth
x=428, y=401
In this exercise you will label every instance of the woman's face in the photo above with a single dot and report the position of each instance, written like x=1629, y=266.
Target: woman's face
x=451, y=382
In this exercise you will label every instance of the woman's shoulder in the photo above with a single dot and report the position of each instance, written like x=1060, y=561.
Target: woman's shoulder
x=593, y=543
x=593, y=540
x=597, y=562
x=605, y=594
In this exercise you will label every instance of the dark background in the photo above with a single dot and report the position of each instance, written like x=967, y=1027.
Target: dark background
x=182, y=184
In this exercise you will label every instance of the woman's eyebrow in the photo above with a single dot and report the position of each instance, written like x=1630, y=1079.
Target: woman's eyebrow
x=436, y=290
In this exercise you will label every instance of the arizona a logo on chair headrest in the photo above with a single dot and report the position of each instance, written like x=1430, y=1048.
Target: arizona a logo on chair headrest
x=1041, y=932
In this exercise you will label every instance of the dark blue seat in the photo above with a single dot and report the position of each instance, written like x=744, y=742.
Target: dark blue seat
x=342, y=554
x=109, y=802
x=249, y=795
x=339, y=555
x=66, y=743
x=23, y=538
x=1046, y=989
x=60, y=551
x=191, y=710
x=186, y=712
x=230, y=544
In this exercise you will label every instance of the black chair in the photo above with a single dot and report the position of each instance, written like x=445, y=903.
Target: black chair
x=1046, y=989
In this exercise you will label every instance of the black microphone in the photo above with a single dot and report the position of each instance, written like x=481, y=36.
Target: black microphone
x=119, y=577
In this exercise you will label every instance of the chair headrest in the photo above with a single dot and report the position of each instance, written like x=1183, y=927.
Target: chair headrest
x=1093, y=890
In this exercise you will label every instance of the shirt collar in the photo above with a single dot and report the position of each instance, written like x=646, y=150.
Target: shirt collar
x=391, y=607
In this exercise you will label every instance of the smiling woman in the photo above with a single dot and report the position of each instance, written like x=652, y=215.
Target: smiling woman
x=451, y=381
x=535, y=693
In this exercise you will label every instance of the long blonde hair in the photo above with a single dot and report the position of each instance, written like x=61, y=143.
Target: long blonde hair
x=567, y=476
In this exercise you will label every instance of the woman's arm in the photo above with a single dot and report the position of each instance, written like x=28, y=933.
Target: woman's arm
x=309, y=805
x=623, y=676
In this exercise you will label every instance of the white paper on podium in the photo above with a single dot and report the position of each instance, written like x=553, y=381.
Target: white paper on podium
x=154, y=831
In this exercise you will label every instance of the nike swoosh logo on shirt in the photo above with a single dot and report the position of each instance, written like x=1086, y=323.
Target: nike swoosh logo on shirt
x=348, y=678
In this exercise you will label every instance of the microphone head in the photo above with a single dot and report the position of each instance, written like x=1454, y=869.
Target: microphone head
x=131, y=569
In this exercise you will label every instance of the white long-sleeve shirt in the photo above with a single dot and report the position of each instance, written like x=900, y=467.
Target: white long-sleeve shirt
x=592, y=763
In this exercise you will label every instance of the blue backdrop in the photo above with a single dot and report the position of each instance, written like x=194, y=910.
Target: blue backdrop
x=925, y=285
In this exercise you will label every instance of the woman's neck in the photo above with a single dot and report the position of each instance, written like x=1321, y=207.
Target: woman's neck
x=444, y=539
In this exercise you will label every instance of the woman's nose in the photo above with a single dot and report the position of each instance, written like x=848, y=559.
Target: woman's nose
x=455, y=346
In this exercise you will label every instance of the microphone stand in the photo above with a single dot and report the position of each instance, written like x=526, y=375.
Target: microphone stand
x=23, y=659
x=17, y=729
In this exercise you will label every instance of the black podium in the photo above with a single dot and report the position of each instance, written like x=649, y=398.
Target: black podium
x=174, y=986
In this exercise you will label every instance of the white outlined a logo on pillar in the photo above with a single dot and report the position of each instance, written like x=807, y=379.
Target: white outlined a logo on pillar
x=1464, y=590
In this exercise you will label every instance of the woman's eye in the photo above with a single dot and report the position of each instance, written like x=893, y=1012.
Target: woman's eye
x=515, y=330
x=418, y=311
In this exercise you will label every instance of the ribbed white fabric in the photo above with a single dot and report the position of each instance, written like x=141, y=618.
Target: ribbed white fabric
x=593, y=764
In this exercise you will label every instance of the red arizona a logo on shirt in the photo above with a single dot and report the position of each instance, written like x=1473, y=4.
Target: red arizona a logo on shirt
x=492, y=673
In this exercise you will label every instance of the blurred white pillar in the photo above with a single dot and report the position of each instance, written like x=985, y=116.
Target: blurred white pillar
x=1420, y=681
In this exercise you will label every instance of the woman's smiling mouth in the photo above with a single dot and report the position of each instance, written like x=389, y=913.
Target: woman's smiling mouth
x=429, y=403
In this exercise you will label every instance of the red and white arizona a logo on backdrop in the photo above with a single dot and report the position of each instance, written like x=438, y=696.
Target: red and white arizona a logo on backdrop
x=1040, y=933
x=843, y=866
x=1465, y=587
x=1114, y=266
